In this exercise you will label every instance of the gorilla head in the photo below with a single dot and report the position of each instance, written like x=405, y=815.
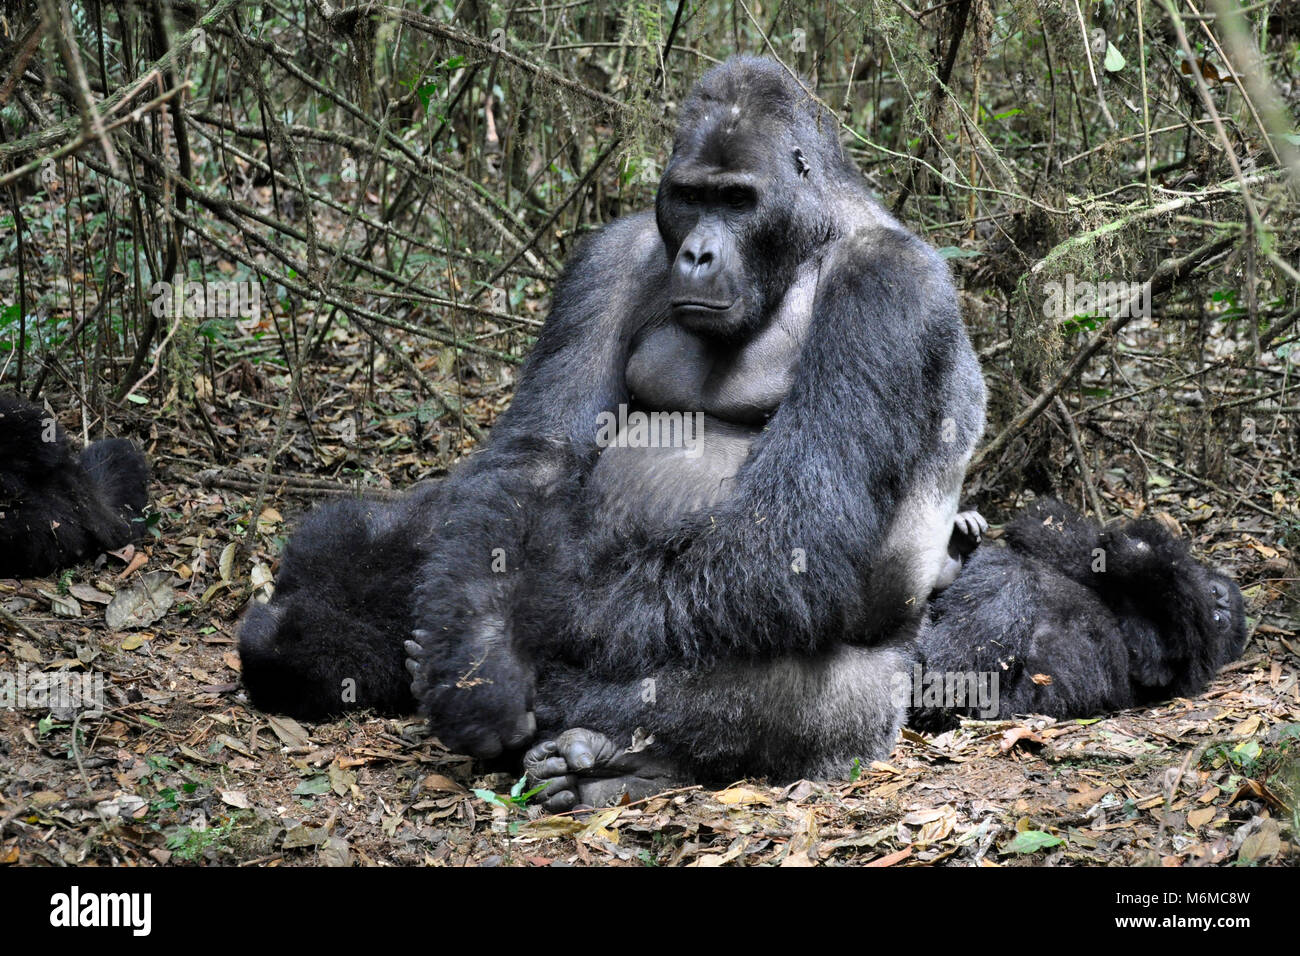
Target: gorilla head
x=330, y=641
x=1183, y=620
x=747, y=196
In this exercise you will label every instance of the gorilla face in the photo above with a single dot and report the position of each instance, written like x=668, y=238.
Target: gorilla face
x=1228, y=615
x=706, y=214
x=742, y=202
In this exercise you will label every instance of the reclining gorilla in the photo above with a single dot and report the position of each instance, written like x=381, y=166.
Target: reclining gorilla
x=58, y=507
x=721, y=495
x=1076, y=620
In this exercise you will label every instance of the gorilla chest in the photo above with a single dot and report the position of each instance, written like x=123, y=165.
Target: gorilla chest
x=695, y=408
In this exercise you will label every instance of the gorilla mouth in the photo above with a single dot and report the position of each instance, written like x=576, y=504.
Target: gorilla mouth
x=683, y=304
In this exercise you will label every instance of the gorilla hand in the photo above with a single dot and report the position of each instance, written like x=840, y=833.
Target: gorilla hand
x=968, y=529
x=585, y=768
x=478, y=697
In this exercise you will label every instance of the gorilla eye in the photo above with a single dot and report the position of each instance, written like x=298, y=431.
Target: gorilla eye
x=738, y=197
x=689, y=195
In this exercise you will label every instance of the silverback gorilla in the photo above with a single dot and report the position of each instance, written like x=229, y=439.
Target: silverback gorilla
x=58, y=507
x=1077, y=620
x=711, y=518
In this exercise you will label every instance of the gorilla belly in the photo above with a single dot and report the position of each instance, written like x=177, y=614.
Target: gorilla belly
x=644, y=484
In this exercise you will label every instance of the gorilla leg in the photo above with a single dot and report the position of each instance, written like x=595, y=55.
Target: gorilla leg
x=786, y=718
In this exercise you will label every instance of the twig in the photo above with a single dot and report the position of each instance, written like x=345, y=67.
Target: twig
x=19, y=626
x=1085, y=474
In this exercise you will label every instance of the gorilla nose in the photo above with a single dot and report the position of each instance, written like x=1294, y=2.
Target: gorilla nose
x=698, y=264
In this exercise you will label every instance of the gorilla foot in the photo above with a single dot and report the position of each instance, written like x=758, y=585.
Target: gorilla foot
x=1221, y=589
x=585, y=768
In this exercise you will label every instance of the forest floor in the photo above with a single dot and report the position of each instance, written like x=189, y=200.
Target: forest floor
x=179, y=768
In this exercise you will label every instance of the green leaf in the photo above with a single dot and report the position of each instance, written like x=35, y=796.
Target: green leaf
x=956, y=252
x=313, y=786
x=532, y=793
x=487, y=796
x=1031, y=841
x=1246, y=751
x=1114, y=59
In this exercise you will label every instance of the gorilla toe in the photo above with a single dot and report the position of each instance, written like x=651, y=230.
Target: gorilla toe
x=584, y=768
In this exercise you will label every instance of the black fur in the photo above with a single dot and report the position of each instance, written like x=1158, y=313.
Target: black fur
x=58, y=507
x=1149, y=623
x=885, y=365
x=772, y=589
x=331, y=641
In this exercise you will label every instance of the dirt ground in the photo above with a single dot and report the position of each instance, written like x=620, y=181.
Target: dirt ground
x=179, y=768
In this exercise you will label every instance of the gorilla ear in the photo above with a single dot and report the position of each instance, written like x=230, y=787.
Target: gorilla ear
x=800, y=163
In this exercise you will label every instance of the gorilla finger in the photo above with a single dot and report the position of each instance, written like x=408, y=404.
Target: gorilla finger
x=412, y=648
x=972, y=524
x=548, y=769
x=540, y=752
x=579, y=755
x=413, y=667
x=561, y=799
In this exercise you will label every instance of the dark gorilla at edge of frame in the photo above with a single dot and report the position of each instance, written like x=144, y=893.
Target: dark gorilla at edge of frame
x=745, y=599
x=1149, y=624
x=58, y=507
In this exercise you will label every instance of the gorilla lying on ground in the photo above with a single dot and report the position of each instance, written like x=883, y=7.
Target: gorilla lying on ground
x=1075, y=620
x=722, y=493
x=58, y=507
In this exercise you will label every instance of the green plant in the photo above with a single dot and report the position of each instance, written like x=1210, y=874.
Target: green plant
x=517, y=799
x=188, y=844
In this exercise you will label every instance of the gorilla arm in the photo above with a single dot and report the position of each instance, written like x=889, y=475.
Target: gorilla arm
x=840, y=519
x=512, y=501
